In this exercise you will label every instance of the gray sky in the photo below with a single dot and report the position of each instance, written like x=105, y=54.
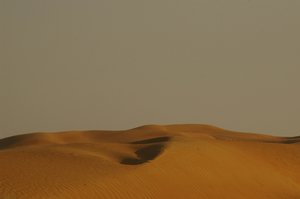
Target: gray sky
x=115, y=64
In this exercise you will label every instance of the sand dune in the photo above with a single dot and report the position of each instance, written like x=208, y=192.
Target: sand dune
x=173, y=161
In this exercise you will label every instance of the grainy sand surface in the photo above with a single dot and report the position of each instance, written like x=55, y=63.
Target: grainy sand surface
x=173, y=161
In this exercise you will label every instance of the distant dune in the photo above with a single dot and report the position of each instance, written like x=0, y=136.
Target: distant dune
x=173, y=161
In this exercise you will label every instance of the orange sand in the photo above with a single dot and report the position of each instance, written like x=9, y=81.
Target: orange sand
x=175, y=161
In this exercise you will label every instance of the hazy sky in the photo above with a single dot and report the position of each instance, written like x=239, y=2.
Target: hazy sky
x=115, y=64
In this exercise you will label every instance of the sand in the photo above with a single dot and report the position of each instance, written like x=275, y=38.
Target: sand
x=172, y=161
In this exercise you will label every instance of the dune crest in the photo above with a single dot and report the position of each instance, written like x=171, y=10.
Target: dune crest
x=151, y=161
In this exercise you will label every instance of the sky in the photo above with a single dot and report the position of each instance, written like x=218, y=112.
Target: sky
x=115, y=64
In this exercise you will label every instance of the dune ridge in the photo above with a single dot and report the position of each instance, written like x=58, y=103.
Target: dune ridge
x=151, y=161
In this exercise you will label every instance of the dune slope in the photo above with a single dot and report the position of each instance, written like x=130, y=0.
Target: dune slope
x=173, y=161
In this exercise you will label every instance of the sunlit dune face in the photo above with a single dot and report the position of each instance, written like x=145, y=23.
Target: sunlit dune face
x=174, y=161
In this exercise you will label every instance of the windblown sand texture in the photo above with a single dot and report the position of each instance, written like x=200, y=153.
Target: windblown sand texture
x=174, y=161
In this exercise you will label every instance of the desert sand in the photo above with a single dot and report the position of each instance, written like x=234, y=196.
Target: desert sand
x=172, y=161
